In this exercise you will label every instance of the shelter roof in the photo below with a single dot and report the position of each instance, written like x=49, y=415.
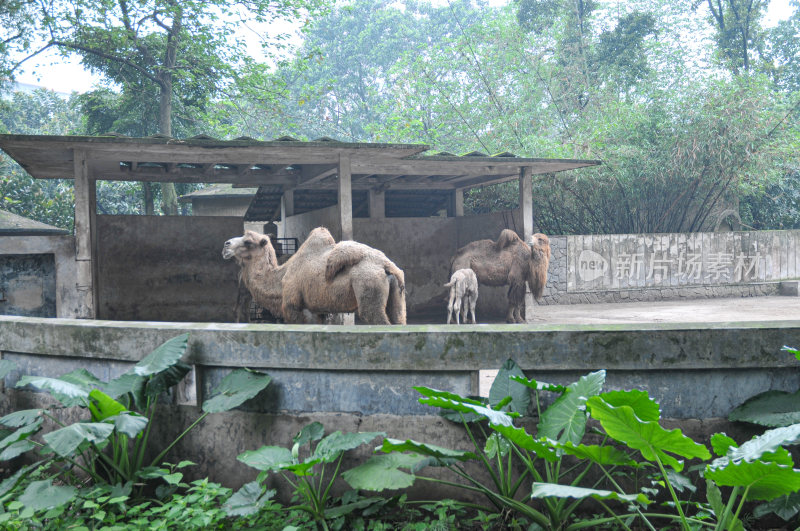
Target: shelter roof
x=13, y=225
x=285, y=162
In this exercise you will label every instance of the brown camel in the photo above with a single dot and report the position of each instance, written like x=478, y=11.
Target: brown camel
x=322, y=277
x=508, y=262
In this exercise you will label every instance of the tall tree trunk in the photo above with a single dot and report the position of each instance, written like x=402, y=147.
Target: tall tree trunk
x=169, y=198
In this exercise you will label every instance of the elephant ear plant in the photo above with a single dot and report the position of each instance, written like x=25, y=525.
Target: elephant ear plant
x=111, y=446
x=510, y=458
x=548, y=480
x=309, y=475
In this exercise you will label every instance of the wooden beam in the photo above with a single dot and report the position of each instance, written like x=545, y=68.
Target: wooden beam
x=313, y=173
x=287, y=204
x=526, y=202
x=85, y=208
x=458, y=202
x=377, y=203
x=345, y=197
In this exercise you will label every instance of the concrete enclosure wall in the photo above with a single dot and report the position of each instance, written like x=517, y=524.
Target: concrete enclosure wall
x=166, y=268
x=354, y=378
x=170, y=268
x=45, y=278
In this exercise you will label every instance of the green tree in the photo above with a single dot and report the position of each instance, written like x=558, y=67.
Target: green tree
x=737, y=31
x=174, y=51
x=784, y=45
x=42, y=112
x=16, y=23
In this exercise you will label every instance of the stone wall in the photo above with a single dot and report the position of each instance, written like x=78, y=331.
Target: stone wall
x=51, y=285
x=166, y=268
x=352, y=378
x=649, y=267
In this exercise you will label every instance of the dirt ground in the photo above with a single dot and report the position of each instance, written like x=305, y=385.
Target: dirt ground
x=775, y=308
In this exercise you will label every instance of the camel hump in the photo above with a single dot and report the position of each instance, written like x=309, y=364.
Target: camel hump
x=507, y=238
x=344, y=255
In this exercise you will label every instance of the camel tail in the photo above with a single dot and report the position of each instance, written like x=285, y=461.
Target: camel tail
x=341, y=257
x=397, y=273
x=507, y=237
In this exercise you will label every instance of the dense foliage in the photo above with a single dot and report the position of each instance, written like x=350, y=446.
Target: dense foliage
x=532, y=455
x=692, y=106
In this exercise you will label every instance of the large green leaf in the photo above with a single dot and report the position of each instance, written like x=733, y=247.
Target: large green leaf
x=382, y=472
x=166, y=379
x=23, y=432
x=430, y=450
x=545, y=490
x=267, y=458
x=8, y=484
x=645, y=407
x=129, y=423
x=767, y=442
x=451, y=401
x=82, y=378
x=771, y=408
x=539, y=386
x=248, y=500
x=721, y=444
x=541, y=447
x=66, y=440
x=503, y=386
x=16, y=449
x=786, y=507
x=337, y=442
x=68, y=393
x=310, y=432
x=604, y=455
x=236, y=388
x=6, y=366
x=21, y=417
x=764, y=480
x=41, y=495
x=103, y=406
x=127, y=383
x=163, y=357
x=653, y=441
x=565, y=419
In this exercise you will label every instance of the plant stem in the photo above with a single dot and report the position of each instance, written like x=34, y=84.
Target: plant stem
x=177, y=440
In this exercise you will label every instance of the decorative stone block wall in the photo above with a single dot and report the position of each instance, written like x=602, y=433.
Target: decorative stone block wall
x=648, y=267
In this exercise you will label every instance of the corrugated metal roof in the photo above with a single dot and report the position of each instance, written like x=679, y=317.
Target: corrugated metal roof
x=14, y=225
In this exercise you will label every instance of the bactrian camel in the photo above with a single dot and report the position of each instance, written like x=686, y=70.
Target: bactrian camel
x=322, y=277
x=508, y=262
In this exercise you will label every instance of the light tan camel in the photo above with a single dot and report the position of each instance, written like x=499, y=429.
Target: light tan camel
x=322, y=277
x=508, y=262
x=463, y=295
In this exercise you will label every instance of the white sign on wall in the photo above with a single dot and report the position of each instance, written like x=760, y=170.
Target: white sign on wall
x=624, y=261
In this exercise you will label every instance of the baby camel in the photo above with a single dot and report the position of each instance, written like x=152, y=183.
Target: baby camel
x=463, y=295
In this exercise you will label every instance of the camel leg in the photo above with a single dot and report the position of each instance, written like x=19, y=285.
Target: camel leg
x=371, y=300
x=396, y=303
x=450, y=306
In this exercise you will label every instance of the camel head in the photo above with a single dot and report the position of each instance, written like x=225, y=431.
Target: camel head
x=540, y=242
x=248, y=247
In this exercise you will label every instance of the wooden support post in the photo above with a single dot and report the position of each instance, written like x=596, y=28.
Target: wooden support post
x=345, y=197
x=85, y=212
x=526, y=211
x=377, y=203
x=458, y=200
x=526, y=202
x=287, y=204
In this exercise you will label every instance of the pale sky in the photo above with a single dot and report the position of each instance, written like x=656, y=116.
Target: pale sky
x=55, y=73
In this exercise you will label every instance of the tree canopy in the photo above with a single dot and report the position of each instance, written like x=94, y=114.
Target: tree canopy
x=691, y=104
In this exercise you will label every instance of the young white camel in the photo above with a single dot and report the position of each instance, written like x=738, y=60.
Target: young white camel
x=463, y=295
